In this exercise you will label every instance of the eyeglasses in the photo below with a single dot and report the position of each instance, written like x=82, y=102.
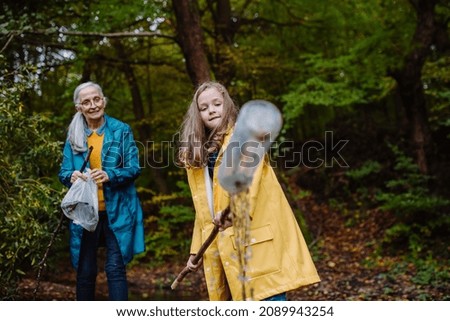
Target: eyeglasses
x=97, y=101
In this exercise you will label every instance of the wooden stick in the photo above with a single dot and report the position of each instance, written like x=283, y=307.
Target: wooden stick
x=42, y=263
x=202, y=250
x=86, y=159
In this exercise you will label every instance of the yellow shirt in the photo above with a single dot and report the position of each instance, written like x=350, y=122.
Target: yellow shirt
x=95, y=160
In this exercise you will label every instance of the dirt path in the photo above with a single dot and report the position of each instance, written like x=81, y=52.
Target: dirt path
x=346, y=262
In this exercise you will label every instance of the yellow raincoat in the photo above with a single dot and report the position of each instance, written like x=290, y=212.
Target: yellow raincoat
x=279, y=261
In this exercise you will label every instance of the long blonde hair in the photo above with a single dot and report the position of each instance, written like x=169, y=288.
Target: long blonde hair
x=196, y=141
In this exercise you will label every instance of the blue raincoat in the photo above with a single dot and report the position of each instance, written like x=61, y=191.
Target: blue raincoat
x=121, y=162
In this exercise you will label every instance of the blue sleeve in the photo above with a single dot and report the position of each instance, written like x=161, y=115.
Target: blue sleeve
x=67, y=165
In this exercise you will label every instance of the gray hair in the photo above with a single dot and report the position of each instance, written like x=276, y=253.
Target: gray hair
x=76, y=135
x=76, y=92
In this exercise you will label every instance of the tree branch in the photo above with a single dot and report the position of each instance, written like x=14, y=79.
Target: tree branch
x=123, y=34
x=265, y=22
x=7, y=42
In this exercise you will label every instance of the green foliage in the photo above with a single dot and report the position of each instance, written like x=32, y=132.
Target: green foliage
x=436, y=77
x=408, y=193
x=351, y=69
x=29, y=200
x=422, y=216
x=335, y=82
x=368, y=168
x=431, y=271
x=170, y=230
x=426, y=272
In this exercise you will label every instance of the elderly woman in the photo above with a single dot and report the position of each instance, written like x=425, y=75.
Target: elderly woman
x=114, y=165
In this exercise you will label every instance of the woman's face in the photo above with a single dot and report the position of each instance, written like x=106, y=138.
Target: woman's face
x=92, y=104
x=210, y=106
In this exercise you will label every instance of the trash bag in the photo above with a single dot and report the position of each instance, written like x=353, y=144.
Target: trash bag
x=80, y=204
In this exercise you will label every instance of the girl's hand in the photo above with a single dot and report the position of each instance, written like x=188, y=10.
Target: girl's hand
x=223, y=223
x=194, y=267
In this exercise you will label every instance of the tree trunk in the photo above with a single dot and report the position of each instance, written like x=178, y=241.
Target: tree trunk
x=223, y=64
x=190, y=39
x=86, y=73
x=144, y=130
x=409, y=80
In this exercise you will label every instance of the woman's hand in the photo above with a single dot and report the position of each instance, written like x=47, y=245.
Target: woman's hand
x=99, y=176
x=76, y=175
x=194, y=267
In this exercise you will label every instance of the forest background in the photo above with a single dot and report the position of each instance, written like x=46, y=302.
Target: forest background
x=363, y=86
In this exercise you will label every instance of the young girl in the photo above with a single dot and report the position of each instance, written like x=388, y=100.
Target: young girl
x=279, y=260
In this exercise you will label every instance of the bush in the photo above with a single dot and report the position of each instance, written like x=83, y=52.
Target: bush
x=423, y=220
x=171, y=225
x=30, y=194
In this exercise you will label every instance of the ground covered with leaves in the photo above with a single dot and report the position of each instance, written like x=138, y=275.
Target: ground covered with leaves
x=345, y=253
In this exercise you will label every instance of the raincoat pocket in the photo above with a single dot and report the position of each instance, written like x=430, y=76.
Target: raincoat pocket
x=263, y=259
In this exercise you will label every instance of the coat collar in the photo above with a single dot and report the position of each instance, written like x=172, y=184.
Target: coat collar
x=226, y=141
x=109, y=126
x=99, y=131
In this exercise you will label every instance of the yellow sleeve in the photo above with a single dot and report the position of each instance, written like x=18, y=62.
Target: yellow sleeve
x=196, y=242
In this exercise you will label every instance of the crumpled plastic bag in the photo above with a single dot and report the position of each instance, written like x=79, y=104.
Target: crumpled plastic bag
x=80, y=204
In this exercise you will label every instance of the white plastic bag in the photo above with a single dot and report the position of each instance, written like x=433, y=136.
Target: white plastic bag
x=80, y=204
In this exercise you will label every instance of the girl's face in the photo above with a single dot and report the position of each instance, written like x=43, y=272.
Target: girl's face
x=210, y=106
